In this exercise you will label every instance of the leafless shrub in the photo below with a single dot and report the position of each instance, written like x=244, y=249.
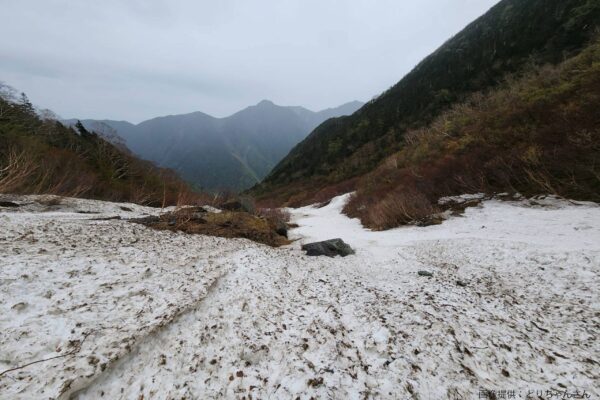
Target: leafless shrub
x=398, y=208
x=15, y=170
x=275, y=214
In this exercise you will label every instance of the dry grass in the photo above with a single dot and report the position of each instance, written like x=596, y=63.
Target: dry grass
x=61, y=173
x=228, y=224
x=401, y=207
x=275, y=214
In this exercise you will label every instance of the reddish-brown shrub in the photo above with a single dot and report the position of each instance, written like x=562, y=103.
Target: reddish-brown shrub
x=537, y=134
x=275, y=214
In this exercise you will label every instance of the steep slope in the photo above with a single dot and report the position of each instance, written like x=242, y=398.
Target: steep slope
x=534, y=135
x=234, y=153
x=511, y=35
x=44, y=157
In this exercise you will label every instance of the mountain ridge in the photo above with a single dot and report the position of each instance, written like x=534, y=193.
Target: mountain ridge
x=233, y=152
x=503, y=41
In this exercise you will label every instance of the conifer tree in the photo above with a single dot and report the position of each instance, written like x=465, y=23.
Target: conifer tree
x=26, y=105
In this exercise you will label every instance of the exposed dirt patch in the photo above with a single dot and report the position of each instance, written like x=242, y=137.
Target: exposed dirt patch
x=228, y=224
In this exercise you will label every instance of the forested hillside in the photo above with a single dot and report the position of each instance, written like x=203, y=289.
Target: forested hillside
x=42, y=156
x=508, y=40
x=539, y=134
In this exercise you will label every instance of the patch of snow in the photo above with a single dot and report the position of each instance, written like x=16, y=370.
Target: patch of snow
x=554, y=223
x=212, y=209
x=169, y=315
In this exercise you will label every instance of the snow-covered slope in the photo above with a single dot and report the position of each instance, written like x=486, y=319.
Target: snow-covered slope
x=117, y=310
x=560, y=224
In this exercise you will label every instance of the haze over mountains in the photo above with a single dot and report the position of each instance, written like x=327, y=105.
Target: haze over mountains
x=234, y=152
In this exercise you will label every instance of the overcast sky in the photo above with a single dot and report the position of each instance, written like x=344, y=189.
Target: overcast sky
x=137, y=59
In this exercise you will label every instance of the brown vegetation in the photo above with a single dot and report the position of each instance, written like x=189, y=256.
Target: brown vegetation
x=303, y=193
x=16, y=169
x=41, y=156
x=228, y=224
x=539, y=134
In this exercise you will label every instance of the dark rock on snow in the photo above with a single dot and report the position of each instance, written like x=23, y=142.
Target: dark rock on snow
x=149, y=220
x=116, y=217
x=281, y=228
x=425, y=273
x=330, y=248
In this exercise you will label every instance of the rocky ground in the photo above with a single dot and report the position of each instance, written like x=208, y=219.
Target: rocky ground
x=92, y=307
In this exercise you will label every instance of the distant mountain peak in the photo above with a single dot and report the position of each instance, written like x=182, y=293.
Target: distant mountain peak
x=265, y=102
x=232, y=152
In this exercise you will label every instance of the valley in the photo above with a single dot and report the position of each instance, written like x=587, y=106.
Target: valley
x=212, y=154
x=439, y=241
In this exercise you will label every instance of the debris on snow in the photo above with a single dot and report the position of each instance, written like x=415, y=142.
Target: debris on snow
x=461, y=199
x=117, y=310
x=228, y=224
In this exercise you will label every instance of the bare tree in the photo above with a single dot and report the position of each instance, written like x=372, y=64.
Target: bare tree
x=48, y=115
x=8, y=93
x=16, y=169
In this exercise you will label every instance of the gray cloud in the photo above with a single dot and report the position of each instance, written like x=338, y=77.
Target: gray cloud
x=137, y=59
